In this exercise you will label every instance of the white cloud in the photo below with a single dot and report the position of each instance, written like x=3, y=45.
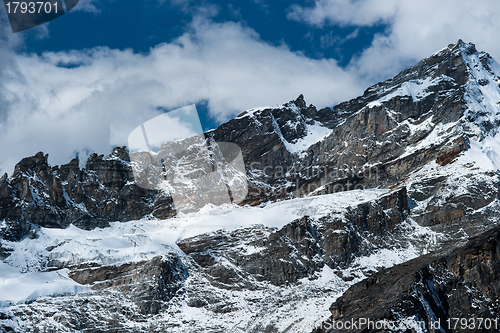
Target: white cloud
x=86, y=6
x=330, y=39
x=8, y=67
x=345, y=12
x=415, y=29
x=80, y=101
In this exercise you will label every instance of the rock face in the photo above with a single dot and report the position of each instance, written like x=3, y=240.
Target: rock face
x=149, y=284
x=299, y=249
x=123, y=294
x=428, y=136
x=269, y=139
x=263, y=134
x=436, y=288
x=104, y=191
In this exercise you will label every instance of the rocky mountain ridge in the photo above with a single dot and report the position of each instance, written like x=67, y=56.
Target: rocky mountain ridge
x=335, y=196
x=105, y=190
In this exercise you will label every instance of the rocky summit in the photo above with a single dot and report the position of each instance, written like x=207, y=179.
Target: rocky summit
x=383, y=209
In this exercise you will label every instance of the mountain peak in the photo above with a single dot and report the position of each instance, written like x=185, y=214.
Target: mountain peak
x=461, y=46
x=466, y=48
x=300, y=102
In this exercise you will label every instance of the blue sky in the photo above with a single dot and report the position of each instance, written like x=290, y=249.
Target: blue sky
x=142, y=25
x=82, y=82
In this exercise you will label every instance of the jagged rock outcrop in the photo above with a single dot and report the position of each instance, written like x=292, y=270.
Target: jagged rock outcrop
x=278, y=256
x=426, y=114
x=359, y=232
x=103, y=191
x=462, y=282
x=376, y=140
x=266, y=138
x=149, y=284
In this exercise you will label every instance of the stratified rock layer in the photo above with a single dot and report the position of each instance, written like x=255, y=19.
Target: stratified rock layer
x=462, y=282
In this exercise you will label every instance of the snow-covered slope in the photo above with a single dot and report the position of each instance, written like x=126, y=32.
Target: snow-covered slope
x=143, y=239
x=296, y=307
x=17, y=287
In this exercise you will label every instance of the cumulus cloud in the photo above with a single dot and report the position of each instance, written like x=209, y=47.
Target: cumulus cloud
x=415, y=29
x=82, y=101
